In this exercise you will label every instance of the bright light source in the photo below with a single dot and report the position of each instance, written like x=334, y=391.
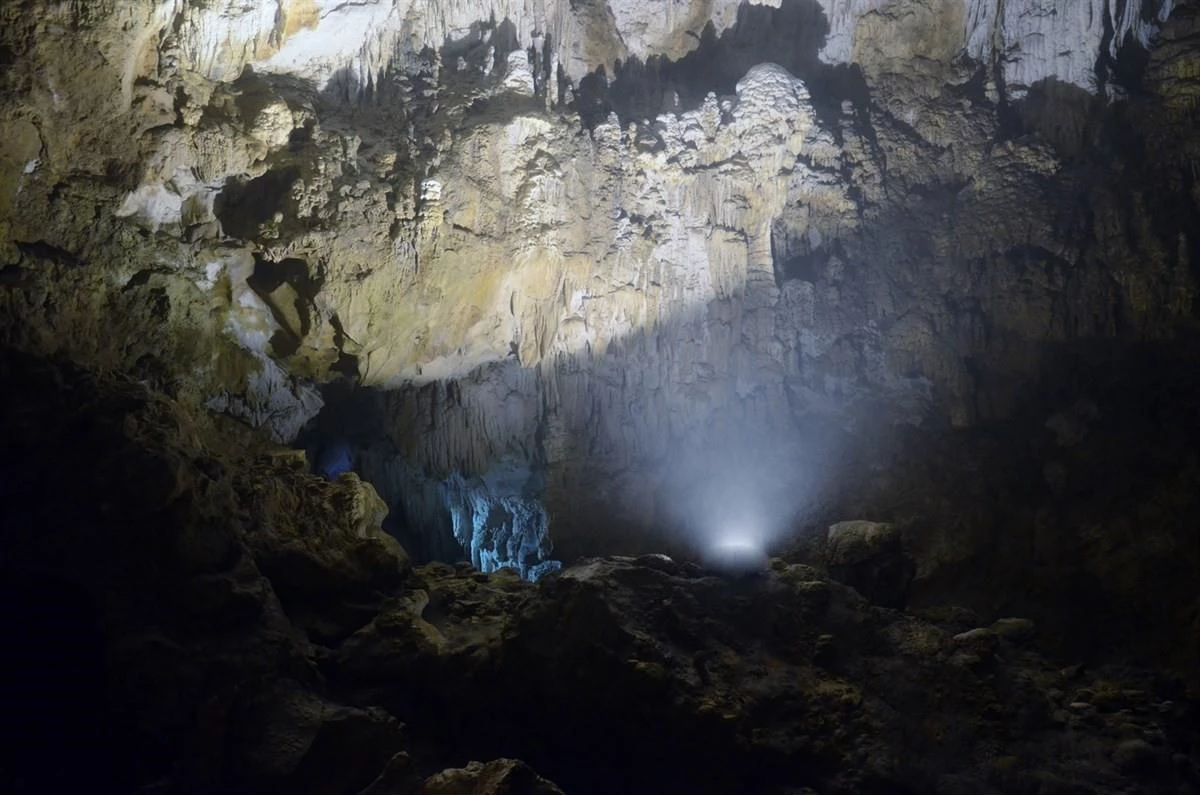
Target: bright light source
x=737, y=553
x=738, y=546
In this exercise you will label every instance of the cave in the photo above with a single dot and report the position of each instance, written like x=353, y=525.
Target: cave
x=783, y=397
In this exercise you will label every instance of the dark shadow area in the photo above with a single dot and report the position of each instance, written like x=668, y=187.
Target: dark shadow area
x=243, y=206
x=1128, y=68
x=1058, y=513
x=602, y=685
x=799, y=260
x=59, y=551
x=1061, y=113
x=146, y=537
x=790, y=36
x=354, y=432
x=288, y=289
x=145, y=648
x=56, y=693
x=1092, y=478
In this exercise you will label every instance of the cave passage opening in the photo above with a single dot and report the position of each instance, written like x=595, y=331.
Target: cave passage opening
x=494, y=519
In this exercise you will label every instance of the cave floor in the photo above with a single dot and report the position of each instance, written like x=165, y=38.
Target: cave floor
x=195, y=612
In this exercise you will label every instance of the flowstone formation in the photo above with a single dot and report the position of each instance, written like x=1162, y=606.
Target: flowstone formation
x=562, y=278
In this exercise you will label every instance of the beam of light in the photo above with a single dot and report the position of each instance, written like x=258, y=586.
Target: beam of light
x=736, y=551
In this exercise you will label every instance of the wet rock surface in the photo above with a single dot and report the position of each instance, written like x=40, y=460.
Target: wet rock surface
x=160, y=638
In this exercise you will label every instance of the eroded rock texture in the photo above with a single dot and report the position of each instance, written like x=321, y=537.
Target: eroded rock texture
x=576, y=277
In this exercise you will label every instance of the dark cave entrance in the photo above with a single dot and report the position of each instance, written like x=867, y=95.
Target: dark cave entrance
x=494, y=518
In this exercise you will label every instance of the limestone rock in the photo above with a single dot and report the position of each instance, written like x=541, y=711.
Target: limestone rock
x=576, y=286
x=291, y=739
x=315, y=42
x=778, y=669
x=183, y=622
x=455, y=625
x=518, y=77
x=870, y=557
x=1042, y=42
x=493, y=778
x=272, y=400
x=335, y=550
x=851, y=543
x=1014, y=628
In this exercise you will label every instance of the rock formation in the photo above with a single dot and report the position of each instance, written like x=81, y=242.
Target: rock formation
x=201, y=615
x=532, y=282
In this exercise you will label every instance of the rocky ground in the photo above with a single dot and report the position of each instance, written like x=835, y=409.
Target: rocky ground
x=926, y=261
x=191, y=611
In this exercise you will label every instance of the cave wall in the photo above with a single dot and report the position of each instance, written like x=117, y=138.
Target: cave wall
x=644, y=273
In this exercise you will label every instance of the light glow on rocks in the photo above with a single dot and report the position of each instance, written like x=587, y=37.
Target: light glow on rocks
x=737, y=552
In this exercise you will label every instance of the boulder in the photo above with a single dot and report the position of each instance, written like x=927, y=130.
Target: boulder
x=327, y=543
x=288, y=739
x=499, y=777
x=869, y=557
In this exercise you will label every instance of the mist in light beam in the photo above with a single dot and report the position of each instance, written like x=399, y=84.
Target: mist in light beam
x=735, y=496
